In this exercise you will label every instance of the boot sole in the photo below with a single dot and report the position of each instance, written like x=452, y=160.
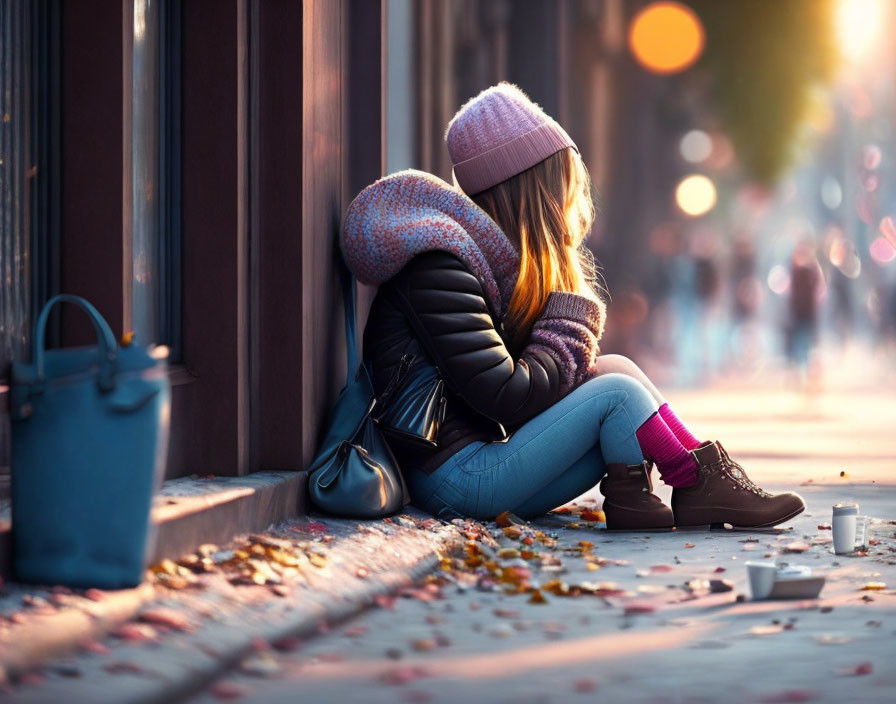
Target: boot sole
x=764, y=527
x=641, y=530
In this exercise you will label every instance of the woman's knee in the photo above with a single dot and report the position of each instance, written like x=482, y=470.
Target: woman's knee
x=631, y=390
x=620, y=364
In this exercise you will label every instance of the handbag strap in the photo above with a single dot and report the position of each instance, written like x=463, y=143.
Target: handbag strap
x=349, y=294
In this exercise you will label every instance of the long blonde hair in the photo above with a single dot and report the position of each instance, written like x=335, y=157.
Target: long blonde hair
x=547, y=211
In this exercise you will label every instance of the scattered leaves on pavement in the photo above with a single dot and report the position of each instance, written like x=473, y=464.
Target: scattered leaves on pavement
x=864, y=668
x=767, y=629
x=135, y=632
x=168, y=617
x=873, y=587
x=796, y=546
x=718, y=586
x=832, y=639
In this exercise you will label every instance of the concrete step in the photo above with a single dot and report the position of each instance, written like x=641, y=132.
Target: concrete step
x=191, y=510
x=187, y=512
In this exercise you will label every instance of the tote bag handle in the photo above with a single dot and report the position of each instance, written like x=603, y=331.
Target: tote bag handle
x=108, y=348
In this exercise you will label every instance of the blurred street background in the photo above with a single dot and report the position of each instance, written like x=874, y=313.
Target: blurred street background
x=743, y=158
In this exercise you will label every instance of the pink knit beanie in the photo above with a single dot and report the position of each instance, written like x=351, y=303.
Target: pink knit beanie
x=499, y=134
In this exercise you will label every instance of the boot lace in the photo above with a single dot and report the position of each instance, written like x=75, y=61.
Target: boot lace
x=739, y=476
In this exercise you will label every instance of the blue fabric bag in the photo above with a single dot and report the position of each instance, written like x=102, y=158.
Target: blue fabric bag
x=89, y=445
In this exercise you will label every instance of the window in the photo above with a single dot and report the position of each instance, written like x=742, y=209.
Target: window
x=154, y=125
x=29, y=44
x=16, y=175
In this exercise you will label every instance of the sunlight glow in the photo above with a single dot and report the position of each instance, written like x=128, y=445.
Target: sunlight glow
x=859, y=26
x=140, y=13
x=695, y=195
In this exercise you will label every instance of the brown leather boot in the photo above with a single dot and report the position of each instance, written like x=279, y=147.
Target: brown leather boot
x=724, y=493
x=629, y=503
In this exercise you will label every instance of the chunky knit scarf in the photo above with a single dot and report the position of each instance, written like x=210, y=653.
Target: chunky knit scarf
x=410, y=212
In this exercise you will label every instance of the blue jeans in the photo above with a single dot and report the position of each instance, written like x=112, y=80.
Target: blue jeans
x=553, y=458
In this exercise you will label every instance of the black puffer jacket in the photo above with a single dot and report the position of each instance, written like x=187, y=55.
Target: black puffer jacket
x=447, y=274
x=437, y=305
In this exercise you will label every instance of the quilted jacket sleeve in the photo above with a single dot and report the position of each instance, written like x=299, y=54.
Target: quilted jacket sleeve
x=447, y=308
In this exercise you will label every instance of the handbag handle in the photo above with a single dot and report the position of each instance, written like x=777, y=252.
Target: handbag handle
x=108, y=348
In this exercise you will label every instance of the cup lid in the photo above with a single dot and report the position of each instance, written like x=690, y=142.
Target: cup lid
x=846, y=509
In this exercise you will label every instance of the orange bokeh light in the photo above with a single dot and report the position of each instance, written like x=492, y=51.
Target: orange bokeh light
x=666, y=37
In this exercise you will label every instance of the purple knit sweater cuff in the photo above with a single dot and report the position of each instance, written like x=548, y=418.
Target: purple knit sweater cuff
x=572, y=306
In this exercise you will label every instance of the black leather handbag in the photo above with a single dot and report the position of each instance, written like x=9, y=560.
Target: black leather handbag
x=415, y=409
x=354, y=472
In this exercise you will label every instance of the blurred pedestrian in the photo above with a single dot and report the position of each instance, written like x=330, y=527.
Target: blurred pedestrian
x=806, y=291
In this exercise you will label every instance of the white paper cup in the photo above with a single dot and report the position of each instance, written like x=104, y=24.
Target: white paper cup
x=843, y=527
x=762, y=578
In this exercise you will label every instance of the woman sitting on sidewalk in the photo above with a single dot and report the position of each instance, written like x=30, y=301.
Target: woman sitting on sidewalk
x=492, y=282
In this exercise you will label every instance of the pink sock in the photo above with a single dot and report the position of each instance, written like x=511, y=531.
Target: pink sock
x=675, y=464
x=676, y=426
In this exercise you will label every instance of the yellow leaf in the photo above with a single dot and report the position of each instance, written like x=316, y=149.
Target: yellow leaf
x=593, y=516
x=317, y=560
x=873, y=587
x=537, y=598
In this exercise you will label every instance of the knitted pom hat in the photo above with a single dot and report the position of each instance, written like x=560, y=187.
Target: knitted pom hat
x=499, y=134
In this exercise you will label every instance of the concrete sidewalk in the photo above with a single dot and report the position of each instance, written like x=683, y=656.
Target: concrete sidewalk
x=625, y=618
x=627, y=615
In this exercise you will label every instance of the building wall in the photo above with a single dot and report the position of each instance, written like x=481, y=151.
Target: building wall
x=276, y=100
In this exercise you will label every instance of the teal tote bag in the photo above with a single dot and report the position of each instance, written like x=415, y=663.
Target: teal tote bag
x=89, y=442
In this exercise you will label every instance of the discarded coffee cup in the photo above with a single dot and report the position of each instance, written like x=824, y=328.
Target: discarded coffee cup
x=762, y=578
x=769, y=580
x=796, y=582
x=843, y=527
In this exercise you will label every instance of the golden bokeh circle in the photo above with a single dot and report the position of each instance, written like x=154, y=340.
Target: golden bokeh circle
x=696, y=195
x=666, y=37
